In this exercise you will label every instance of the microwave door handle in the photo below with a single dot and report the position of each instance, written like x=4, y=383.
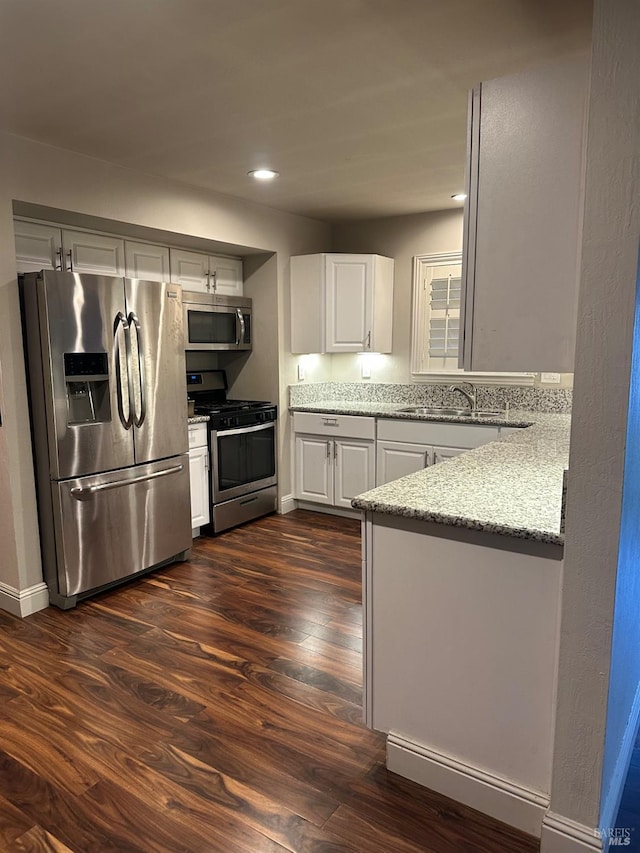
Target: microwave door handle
x=241, y=324
x=138, y=421
x=121, y=321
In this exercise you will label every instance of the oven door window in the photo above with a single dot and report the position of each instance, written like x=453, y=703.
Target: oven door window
x=246, y=457
x=212, y=327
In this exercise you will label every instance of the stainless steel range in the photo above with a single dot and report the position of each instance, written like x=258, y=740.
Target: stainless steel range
x=242, y=447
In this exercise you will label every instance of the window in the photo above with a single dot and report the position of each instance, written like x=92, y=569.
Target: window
x=437, y=333
x=436, y=322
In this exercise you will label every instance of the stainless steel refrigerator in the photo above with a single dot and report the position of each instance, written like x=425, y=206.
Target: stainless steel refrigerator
x=109, y=421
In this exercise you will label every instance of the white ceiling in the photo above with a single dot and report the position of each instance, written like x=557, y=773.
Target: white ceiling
x=360, y=104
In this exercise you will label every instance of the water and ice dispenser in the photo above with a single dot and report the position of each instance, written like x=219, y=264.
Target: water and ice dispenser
x=87, y=379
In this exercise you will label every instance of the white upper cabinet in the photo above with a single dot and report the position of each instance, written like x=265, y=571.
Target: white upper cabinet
x=46, y=247
x=146, y=261
x=93, y=253
x=522, y=221
x=190, y=269
x=341, y=303
x=206, y=273
x=38, y=247
x=226, y=275
x=42, y=246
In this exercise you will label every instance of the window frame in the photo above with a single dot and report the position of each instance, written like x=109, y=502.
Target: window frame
x=419, y=302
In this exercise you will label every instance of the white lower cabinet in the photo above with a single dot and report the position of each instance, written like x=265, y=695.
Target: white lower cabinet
x=395, y=459
x=334, y=458
x=199, y=476
x=440, y=454
x=404, y=447
x=340, y=456
x=314, y=469
x=333, y=471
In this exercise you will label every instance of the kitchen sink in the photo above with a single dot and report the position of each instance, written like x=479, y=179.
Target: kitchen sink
x=488, y=414
x=445, y=411
x=436, y=410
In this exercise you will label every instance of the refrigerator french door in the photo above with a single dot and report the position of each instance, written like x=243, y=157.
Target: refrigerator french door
x=108, y=403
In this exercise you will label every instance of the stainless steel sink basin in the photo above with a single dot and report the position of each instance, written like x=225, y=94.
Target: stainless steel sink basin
x=445, y=411
x=488, y=414
x=436, y=410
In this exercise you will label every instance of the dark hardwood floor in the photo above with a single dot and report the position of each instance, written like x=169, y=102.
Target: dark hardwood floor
x=213, y=706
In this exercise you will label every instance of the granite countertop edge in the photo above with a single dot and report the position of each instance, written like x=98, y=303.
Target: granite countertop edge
x=198, y=419
x=540, y=444
x=460, y=521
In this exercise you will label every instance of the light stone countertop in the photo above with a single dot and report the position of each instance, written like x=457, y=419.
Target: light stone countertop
x=375, y=409
x=198, y=419
x=511, y=487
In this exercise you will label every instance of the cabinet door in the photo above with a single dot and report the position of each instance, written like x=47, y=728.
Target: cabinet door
x=146, y=261
x=190, y=269
x=349, y=302
x=93, y=253
x=226, y=276
x=396, y=459
x=314, y=469
x=199, y=483
x=38, y=247
x=440, y=454
x=354, y=469
x=522, y=221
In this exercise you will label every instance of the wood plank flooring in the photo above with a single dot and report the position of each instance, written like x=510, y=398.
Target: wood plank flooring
x=214, y=706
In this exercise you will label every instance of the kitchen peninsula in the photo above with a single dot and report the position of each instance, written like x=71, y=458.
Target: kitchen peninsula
x=462, y=569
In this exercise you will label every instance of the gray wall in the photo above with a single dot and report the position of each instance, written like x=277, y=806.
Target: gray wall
x=601, y=394
x=37, y=174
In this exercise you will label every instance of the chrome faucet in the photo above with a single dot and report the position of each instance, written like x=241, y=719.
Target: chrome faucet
x=470, y=395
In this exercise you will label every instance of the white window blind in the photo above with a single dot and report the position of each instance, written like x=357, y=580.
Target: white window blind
x=441, y=295
x=444, y=320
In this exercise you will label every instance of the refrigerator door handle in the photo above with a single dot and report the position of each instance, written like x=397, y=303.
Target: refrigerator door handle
x=138, y=421
x=84, y=494
x=121, y=321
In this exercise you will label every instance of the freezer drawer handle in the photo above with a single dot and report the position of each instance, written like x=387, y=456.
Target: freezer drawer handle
x=121, y=320
x=138, y=421
x=85, y=494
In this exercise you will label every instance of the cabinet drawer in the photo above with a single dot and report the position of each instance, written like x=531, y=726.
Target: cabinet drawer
x=197, y=435
x=444, y=434
x=348, y=426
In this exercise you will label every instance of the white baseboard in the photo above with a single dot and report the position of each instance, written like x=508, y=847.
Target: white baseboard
x=23, y=602
x=500, y=798
x=287, y=504
x=612, y=797
x=562, y=835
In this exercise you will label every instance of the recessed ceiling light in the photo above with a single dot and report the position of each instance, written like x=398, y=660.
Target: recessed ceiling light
x=263, y=174
x=459, y=196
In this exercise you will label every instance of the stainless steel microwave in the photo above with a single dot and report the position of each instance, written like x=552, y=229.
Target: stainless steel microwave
x=213, y=322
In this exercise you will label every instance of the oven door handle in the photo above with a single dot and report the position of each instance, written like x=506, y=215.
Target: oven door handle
x=220, y=433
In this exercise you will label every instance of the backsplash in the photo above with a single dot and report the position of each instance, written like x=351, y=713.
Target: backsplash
x=489, y=397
